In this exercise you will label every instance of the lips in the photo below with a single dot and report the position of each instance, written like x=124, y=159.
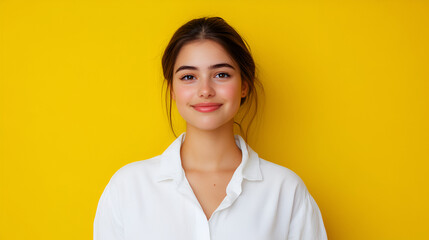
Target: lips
x=206, y=107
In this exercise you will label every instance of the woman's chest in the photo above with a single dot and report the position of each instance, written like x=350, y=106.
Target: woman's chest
x=174, y=213
x=209, y=188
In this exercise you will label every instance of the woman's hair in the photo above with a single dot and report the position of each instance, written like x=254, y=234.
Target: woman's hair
x=215, y=29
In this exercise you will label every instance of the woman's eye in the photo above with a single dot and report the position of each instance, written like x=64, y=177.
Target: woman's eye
x=222, y=75
x=187, y=77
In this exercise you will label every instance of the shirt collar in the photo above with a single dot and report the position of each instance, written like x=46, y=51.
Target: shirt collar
x=171, y=165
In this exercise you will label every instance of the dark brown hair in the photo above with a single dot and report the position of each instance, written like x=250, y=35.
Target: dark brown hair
x=215, y=29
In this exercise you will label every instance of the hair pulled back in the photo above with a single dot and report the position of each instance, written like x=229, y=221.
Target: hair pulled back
x=218, y=30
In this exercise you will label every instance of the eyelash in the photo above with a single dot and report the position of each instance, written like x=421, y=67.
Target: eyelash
x=185, y=77
x=226, y=75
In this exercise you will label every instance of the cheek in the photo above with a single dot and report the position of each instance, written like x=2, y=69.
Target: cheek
x=182, y=94
x=231, y=92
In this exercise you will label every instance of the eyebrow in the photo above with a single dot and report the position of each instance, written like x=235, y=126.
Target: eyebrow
x=219, y=65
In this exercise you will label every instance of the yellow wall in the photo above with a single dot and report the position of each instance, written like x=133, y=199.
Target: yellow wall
x=347, y=106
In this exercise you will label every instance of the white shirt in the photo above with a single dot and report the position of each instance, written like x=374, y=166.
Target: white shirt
x=152, y=199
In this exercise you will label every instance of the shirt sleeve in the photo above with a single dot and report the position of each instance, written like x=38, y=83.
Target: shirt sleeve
x=107, y=223
x=306, y=222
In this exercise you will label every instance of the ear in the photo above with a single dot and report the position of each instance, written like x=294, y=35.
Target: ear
x=170, y=89
x=244, y=89
x=173, y=96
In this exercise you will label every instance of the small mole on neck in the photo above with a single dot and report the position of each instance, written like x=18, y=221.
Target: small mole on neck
x=214, y=185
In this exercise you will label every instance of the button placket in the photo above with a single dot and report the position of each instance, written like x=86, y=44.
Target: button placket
x=203, y=230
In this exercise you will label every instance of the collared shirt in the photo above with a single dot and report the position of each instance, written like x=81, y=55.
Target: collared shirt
x=152, y=199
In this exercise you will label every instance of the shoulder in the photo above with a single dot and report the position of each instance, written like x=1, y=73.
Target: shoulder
x=274, y=173
x=136, y=171
x=289, y=185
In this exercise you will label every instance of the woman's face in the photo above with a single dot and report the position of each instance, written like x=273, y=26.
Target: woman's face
x=207, y=86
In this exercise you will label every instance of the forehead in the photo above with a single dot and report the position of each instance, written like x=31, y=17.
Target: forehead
x=203, y=53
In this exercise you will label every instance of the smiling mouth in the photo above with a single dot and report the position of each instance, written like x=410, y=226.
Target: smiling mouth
x=206, y=107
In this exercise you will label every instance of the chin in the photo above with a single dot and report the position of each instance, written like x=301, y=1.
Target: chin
x=207, y=125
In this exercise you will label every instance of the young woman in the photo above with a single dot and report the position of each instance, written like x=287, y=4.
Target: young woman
x=208, y=184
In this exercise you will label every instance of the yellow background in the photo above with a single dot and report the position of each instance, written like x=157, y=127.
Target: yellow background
x=346, y=106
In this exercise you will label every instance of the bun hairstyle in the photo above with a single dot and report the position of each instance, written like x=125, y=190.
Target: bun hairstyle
x=218, y=30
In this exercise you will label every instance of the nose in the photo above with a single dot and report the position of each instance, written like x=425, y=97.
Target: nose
x=206, y=89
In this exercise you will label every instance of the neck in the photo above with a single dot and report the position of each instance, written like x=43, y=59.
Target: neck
x=213, y=150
